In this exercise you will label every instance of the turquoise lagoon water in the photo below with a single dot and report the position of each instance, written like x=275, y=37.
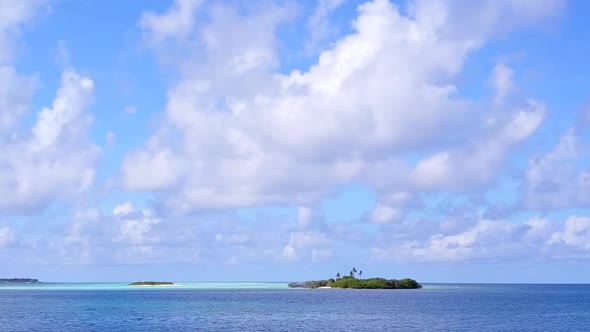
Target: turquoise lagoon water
x=97, y=286
x=274, y=307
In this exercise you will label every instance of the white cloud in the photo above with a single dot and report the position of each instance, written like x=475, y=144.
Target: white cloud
x=554, y=180
x=321, y=255
x=135, y=226
x=477, y=163
x=391, y=207
x=15, y=97
x=130, y=235
x=304, y=216
x=383, y=214
x=7, y=236
x=493, y=240
x=502, y=81
x=55, y=160
x=313, y=244
x=463, y=246
x=486, y=17
x=125, y=236
x=237, y=133
x=13, y=14
x=177, y=22
x=135, y=230
x=72, y=97
x=165, y=169
x=232, y=239
x=319, y=24
x=576, y=233
x=289, y=253
x=123, y=209
x=82, y=234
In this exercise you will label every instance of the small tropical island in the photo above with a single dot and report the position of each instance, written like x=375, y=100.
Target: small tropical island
x=351, y=281
x=19, y=281
x=151, y=283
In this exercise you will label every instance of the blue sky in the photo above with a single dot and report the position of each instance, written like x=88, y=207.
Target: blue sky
x=279, y=140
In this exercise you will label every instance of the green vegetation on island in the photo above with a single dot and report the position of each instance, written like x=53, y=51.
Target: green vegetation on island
x=151, y=283
x=351, y=281
x=19, y=281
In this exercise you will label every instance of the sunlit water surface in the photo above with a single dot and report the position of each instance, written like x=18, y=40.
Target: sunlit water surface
x=274, y=307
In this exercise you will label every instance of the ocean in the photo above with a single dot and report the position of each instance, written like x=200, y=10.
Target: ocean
x=274, y=307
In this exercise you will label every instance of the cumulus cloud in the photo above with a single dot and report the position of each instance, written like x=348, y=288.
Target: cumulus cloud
x=559, y=178
x=575, y=233
x=304, y=216
x=135, y=226
x=380, y=106
x=72, y=97
x=488, y=16
x=7, y=236
x=125, y=236
x=319, y=23
x=175, y=23
x=13, y=14
x=123, y=209
x=502, y=81
x=15, y=97
x=494, y=240
x=320, y=255
x=383, y=213
x=477, y=163
x=238, y=133
x=54, y=160
x=132, y=235
x=232, y=239
x=391, y=207
x=15, y=89
x=310, y=243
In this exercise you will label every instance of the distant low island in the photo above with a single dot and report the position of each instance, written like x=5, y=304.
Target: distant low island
x=151, y=283
x=351, y=281
x=19, y=281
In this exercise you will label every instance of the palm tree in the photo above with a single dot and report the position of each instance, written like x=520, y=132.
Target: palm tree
x=337, y=275
x=353, y=271
x=360, y=274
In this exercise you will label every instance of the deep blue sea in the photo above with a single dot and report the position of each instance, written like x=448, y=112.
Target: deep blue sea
x=272, y=307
